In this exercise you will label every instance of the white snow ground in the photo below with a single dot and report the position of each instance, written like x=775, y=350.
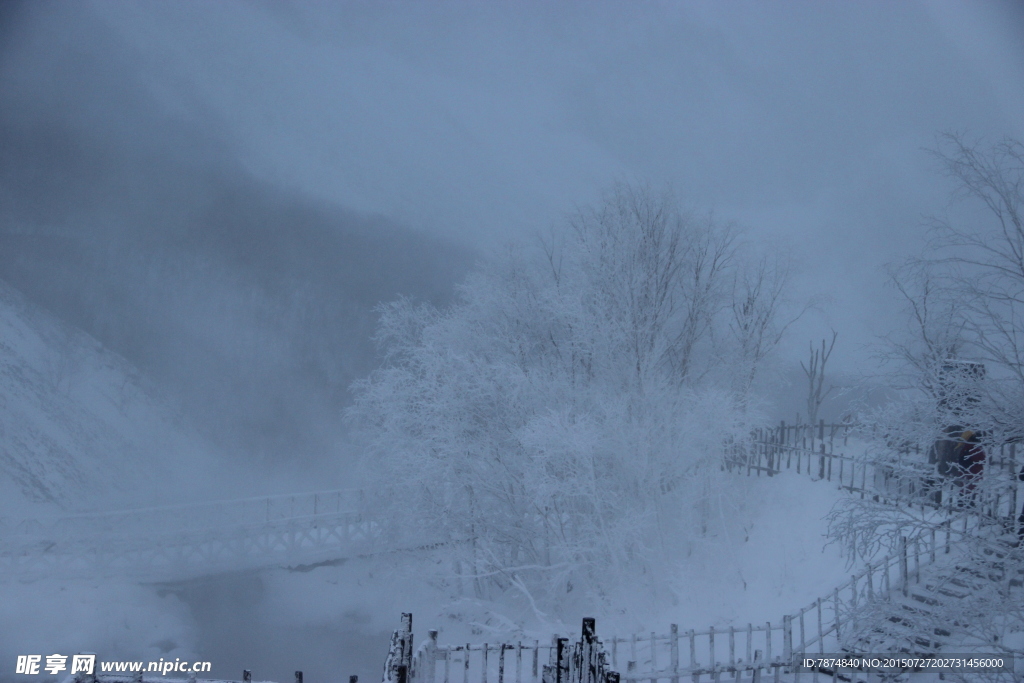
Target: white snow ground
x=771, y=564
x=81, y=430
x=773, y=561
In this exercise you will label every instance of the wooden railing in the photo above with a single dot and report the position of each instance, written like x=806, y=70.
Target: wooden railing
x=827, y=625
x=899, y=478
x=582, y=661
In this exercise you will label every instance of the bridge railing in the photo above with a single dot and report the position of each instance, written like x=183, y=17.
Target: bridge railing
x=186, y=517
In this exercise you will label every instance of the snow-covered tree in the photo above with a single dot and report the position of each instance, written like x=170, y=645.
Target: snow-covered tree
x=562, y=425
x=815, y=372
x=958, y=376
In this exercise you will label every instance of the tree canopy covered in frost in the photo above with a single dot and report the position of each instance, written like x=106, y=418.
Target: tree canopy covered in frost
x=562, y=425
x=964, y=301
x=958, y=372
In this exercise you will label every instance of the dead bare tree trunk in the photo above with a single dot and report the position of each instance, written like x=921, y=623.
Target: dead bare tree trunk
x=815, y=372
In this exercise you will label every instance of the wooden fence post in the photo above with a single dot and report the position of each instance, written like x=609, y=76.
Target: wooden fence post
x=803, y=634
x=674, y=651
x=821, y=637
x=562, y=669
x=904, y=568
x=587, y=658
x=787, y=639
x=835, y=612
x=430, y=652
x=407, y=639
x=732, y=647
x=654, y=656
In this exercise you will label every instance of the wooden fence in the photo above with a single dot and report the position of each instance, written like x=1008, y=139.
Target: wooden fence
x=582, y=661
x=899, y=478
x=771, y=651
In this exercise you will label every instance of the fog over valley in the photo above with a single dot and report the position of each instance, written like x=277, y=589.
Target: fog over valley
x=505, y=315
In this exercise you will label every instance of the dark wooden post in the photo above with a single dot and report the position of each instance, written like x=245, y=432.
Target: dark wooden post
x=588, y=653
x=904, y=568
x=246, y=676
x=298, y=677
x=787, y=639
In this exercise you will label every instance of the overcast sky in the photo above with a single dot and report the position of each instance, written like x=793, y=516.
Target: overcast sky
x=805, y=122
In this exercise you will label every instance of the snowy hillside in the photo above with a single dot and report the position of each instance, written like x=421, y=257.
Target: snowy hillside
x=79, y=428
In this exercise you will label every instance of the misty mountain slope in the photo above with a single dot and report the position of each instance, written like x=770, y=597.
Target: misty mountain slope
x=79, y=428
x=257, y=314
x=129, y=213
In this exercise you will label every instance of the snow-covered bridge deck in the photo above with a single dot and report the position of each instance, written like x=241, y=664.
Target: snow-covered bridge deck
x=178, y=542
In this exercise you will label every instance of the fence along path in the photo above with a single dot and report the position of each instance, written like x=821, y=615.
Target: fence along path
x=583, y=661
x=829, y=624
x=902, y=477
